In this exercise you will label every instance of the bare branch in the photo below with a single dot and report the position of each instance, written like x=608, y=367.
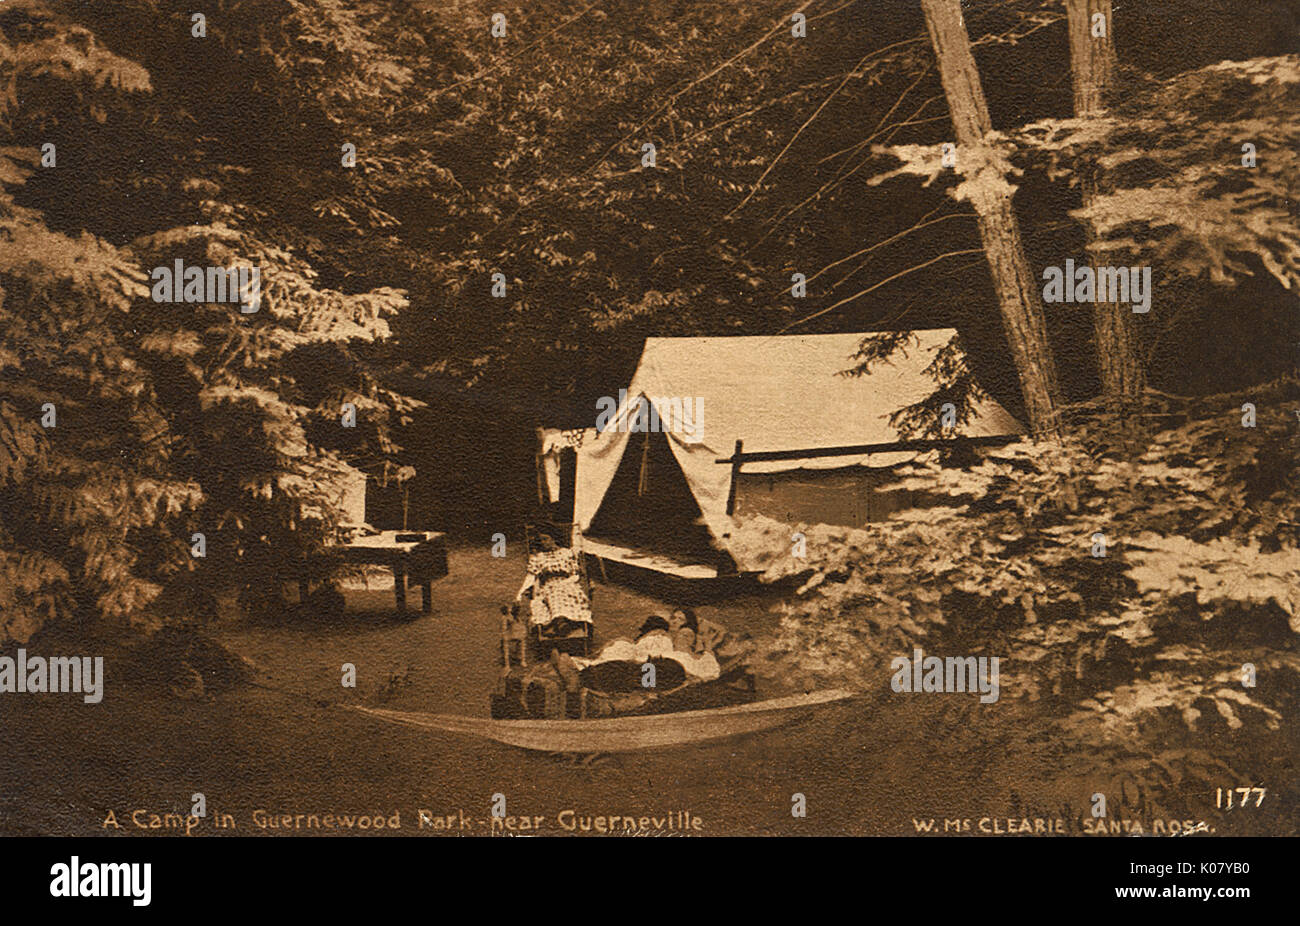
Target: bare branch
x=869, y=289
x=817, y=112
x=843, y=175
x=781, y=24
x=889, y=240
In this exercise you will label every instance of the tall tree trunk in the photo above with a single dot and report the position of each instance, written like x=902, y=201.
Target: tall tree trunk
x=1022, y=311
x=1092, y=61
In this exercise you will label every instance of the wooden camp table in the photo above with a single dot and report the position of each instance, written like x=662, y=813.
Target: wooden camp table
x=422, y=560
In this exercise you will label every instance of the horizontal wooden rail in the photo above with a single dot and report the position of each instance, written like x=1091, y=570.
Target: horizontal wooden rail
x=920, y=444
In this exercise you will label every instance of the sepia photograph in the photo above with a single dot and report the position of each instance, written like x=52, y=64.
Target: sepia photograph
x=649, y=418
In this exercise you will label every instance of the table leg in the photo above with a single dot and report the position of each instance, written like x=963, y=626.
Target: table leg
x=399, y=588
x=426, y=597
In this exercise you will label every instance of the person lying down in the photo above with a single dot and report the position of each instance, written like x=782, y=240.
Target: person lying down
x=655, y=640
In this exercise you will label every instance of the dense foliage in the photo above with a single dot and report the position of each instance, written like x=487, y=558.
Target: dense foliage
x=1201, y=167
x=1125, y=589
x=128, y=425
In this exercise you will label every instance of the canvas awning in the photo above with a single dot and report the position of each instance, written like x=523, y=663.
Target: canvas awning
x=551, y=443
x=778, y=393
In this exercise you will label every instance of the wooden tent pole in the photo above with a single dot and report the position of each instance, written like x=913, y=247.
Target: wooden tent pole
x=537, y=470
x=735, y=476
x=645, y=463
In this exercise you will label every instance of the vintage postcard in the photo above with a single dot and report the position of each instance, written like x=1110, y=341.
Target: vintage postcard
x=661, y=418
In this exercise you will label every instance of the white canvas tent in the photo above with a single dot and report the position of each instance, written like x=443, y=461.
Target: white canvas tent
x=781, y=393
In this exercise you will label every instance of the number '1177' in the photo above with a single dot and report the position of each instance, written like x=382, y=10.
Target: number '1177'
x=1243, y=797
